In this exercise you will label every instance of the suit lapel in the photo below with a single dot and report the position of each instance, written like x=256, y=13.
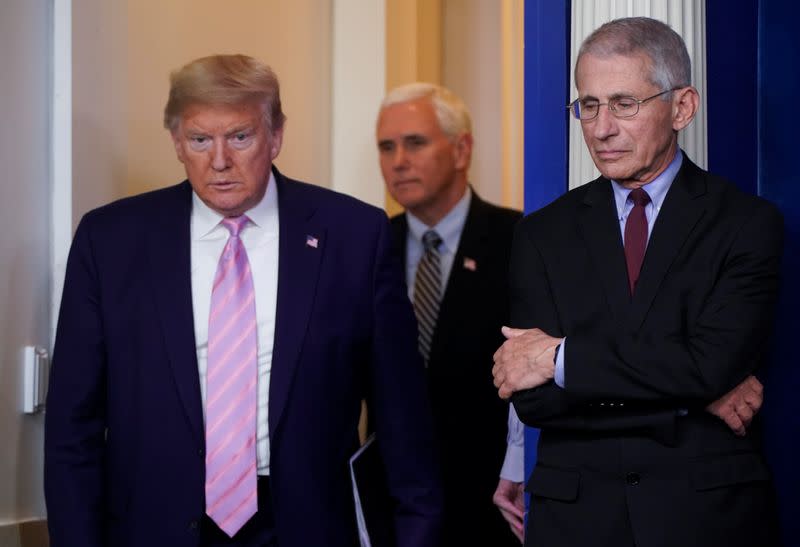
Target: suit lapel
x=170, y=271
x=298, y=270
x=599, y=227
x=399, y=226
x=471, y=246
x=680, y=213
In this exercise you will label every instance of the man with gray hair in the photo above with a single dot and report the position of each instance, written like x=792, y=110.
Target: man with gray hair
x=455, y=247
x=642, y=305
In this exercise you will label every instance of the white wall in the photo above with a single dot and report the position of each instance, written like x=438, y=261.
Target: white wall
x=24, y=246
x=359, y=83
x=472, y=68
x=123, y=52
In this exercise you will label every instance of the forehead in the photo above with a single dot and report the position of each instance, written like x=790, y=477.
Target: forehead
x=603, y=77
x=221, y=116
x=417, y=116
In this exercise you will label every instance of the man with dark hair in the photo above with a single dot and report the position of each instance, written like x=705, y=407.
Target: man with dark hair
x=215, y=341
x=642, y=304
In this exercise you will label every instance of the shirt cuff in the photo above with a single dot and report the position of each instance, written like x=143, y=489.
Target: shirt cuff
x=514, y=464
x=559, y=372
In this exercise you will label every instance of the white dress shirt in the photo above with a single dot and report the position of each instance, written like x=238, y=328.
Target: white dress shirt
x=260, y=239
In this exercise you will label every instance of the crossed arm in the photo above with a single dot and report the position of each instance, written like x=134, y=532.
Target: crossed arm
x=527, y=360
x=703, y=357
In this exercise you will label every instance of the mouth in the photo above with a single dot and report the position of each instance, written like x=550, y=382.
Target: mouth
x=609, y=155
x=223, y=184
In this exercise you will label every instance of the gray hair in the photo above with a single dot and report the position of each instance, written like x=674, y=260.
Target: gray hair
x=670, y=66
x=451, y=112
x=224, y=80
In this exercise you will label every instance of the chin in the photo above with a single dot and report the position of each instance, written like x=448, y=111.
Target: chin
x=407, y=199
x=613, y=172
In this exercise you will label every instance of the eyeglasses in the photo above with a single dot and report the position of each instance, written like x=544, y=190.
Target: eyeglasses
x=620, y=107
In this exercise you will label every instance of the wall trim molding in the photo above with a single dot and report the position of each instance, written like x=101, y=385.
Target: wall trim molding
x=28, y=533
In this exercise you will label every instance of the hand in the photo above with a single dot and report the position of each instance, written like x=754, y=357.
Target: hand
x=737, y=407
x=509, y=498
x=524, y=361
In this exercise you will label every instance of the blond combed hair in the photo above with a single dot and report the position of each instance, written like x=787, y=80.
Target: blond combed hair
x=224, y=80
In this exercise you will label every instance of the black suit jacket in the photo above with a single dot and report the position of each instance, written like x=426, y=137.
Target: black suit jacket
x=470, y=419
x=618, y=458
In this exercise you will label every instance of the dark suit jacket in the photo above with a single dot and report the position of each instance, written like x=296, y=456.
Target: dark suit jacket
x=469, y=417
x=124, y=442
x=616, y=456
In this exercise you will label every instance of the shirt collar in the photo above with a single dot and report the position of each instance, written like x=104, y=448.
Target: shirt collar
x=449, y=228
x=205, y=219
x=656, y=189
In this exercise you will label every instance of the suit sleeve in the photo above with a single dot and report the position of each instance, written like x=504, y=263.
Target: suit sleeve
x=532, y=305
x=399, y=405
x=76, y=408
x=721, y=344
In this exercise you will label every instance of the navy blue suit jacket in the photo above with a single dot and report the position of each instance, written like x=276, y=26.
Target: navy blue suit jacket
x=124, y=442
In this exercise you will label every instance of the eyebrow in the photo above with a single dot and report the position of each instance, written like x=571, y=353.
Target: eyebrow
x=240, y=129
x=616, y=95
x=404, y=137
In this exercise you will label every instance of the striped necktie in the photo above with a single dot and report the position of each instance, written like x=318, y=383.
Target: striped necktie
x=231, y=400
x=427, y=291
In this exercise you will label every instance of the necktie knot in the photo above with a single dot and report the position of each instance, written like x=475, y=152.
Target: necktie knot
x=234, y=225
x=431, y=240
x=639, y=197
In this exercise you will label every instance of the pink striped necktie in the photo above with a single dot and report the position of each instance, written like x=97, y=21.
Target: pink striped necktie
x=231, y=400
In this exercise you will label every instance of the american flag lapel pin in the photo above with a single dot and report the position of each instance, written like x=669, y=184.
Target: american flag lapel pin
x=312, y=241
x=470, y=264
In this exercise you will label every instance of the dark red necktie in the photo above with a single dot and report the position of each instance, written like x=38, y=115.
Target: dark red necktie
x=636, y=235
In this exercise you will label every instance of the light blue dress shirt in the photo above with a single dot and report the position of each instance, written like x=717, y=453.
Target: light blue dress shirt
x=449, y=229
x=657, y=190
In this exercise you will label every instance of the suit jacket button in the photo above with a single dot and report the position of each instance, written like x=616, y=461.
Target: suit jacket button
x=193, y=525
x=200, y=451
x=632, y=478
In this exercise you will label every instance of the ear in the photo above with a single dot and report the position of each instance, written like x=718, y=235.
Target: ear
x=462, y=150
x=277, y=142
x=176, y=141
x=685, y=103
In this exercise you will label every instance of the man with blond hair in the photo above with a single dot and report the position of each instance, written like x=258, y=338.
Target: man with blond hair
x=215, y=341
x=455, y=247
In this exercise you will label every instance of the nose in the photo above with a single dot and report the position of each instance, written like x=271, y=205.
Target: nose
x=220, y=159
x=605, y=124
x=399, y=159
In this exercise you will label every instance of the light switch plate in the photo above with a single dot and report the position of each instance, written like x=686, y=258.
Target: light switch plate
x=35, y=371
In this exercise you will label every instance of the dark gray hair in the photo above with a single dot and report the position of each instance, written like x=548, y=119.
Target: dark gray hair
x=670, y=65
